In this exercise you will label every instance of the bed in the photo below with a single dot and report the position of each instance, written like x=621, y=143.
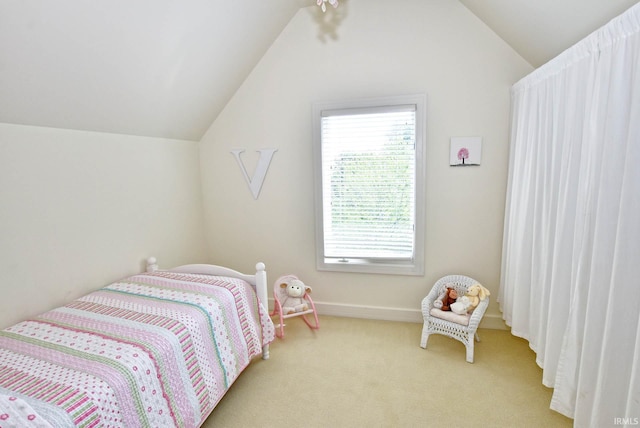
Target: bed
x=156, y=349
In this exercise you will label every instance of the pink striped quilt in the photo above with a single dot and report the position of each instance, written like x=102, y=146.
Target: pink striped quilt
x=153, y=350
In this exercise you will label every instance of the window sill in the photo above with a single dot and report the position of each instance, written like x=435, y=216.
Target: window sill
x=367, y=266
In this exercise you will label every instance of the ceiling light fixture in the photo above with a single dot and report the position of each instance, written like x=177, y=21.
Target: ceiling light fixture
x=323, y=4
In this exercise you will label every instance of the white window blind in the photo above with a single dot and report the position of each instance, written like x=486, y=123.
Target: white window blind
x=368, y=182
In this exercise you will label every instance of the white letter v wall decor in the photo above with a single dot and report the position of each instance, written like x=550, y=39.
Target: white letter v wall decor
x=255, y=183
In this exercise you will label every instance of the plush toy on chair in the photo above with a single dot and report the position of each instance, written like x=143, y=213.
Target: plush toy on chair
x=448, y=297
x=467, y=303
x=294, y=300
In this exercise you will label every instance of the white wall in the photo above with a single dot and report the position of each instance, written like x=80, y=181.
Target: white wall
x=80, y=209
x=372, y=48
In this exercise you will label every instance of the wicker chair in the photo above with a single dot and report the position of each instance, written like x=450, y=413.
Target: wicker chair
x=456, y=327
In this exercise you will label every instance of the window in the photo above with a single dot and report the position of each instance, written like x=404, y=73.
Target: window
x=369, y=158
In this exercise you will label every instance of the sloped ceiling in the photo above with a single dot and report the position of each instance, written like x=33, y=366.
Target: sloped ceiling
x=161, y=68
x=166, y=68
x=539, y=30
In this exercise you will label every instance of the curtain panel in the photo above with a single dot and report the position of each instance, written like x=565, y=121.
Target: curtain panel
x=570, y=280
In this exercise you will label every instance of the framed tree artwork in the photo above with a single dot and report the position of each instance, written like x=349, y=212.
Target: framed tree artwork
x=465, y=151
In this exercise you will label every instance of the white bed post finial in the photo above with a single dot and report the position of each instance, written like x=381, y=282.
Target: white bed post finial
x=152, y=264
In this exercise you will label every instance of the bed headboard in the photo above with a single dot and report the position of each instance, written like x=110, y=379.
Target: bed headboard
x=258, y=280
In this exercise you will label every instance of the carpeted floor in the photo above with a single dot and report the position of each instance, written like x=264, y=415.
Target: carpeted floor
x=367, y=373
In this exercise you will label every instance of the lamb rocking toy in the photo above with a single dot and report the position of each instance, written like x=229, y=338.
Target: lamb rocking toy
x=291, y=299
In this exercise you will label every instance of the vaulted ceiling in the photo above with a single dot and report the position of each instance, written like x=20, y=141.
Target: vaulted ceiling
x=164, y=68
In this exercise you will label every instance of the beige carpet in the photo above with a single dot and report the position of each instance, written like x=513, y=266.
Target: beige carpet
x=365, y=373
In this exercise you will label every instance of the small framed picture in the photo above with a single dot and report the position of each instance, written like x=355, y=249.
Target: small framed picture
x=465, y=151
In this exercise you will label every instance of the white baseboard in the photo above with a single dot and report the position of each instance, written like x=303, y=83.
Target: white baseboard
x=369, y=312
x=489, y=321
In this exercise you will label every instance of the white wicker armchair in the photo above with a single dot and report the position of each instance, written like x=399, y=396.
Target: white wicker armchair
x=455, y=330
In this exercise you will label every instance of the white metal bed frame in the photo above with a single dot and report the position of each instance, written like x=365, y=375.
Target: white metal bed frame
x=257, y=280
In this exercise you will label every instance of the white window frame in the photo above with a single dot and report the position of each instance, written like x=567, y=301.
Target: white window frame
x=415, y=266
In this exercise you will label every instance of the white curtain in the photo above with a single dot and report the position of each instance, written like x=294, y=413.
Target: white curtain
x=570, y=280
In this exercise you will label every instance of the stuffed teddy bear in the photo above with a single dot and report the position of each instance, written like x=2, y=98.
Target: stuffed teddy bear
x=293, y=301
x=446, y=299
x=471, y=299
